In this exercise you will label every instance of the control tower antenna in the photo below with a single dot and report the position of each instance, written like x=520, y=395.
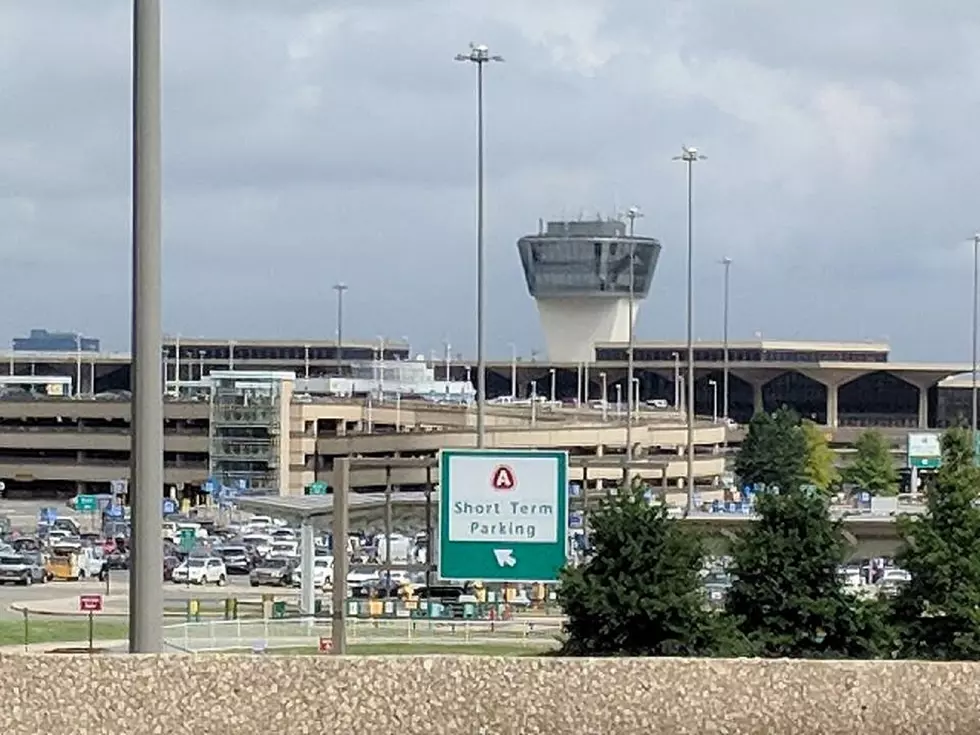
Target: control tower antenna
x=632, y=214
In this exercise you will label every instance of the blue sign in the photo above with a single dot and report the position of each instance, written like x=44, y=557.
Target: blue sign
x=574, y=490
x=209, y=486
x=241, y=485
x=115, y=511
x=47, y=515
x=169, y=506
x=575, y=520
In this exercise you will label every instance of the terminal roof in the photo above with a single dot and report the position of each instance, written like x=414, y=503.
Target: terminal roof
x=321, y=506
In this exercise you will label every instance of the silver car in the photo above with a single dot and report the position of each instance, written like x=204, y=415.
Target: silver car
x=18, y=569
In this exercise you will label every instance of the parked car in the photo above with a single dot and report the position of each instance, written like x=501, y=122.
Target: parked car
x=237, y=559
x=274, y=571
x=169, y=564
x=20, y=569
x=201, y=570
x=322, y=573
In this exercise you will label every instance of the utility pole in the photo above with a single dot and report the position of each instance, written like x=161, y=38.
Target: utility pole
x=689, y=156
x=727, y=263
x=146, y=471
x=973, y=375
x=340, y=288
x=479, y=55
x=632, y=214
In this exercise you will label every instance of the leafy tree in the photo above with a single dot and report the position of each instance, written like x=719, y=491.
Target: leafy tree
x=873, y=468
x=773, y=452
x=937, y=614
x=820, y=466
x=640, y=593
x=786, y=597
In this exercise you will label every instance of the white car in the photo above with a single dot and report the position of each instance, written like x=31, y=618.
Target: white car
x=322, y=573
x=201, y=570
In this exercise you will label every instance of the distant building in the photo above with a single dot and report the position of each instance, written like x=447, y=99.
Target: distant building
x=41, y=340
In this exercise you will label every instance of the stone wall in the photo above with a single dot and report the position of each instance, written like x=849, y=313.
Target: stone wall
x=272, y=695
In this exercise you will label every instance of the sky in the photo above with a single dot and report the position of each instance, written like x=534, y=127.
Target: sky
x=308, y=143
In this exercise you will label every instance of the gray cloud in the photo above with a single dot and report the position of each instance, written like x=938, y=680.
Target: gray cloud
x=308, y=142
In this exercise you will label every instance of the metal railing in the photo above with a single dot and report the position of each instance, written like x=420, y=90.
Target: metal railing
x=230, y=635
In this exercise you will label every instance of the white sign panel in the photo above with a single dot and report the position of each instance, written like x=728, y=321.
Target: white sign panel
x=924, y=445
x=516, y=500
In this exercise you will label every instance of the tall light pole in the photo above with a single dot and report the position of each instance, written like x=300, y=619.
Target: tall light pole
x=689, y=155
x=973, y=376
x=479, y=55
x=677, y=381
x=146, y=471
x=714, y=400
x=726, y=262
x=553, y=380
x=340, y=288
x=632, y=215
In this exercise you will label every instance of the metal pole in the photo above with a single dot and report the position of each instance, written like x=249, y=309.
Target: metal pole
x=973, y=377
x=690, y=334
x=677, y=382
x=307, y=591
x=553, y=386
x=340, y=288
x=479, y=54
x=78, y=365
x=146, y=566
x=629, y=363
x=513, y=371
x=481, y=367
x=306, y=362
x=341, y=561
x=177, y=365
x=727, y=262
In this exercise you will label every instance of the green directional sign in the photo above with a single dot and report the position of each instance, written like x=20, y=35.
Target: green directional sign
x=317, y=488
x=86, y=503
x=503, y=515
x=924, y=451
x=188, y=539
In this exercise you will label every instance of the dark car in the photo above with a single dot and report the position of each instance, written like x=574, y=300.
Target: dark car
x=275, y=572
x=169, y=564
x=237, y=559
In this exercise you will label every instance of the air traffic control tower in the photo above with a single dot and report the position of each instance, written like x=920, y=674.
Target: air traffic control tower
x=579, y=275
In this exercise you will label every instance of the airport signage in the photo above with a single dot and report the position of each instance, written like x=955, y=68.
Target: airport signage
x=924, y=451
x=317, y=488
x=86, y=503
x=503, y=515
x=90, y=603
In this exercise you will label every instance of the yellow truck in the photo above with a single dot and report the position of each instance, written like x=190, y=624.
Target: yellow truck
x=71, y=562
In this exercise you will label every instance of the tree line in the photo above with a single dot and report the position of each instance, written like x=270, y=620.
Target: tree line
x=641, y=592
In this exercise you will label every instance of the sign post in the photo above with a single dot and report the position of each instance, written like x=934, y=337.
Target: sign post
x=924, y=453
x=90, y=604
x=503, y=515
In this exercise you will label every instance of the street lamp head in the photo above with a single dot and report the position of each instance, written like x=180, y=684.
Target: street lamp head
x=479, y=53
x=340, y=287
x=726, y=261
x=689, y=154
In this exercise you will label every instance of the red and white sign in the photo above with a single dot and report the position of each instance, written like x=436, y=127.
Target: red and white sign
x=90, y=603
x=325, y=645
x=503, y=478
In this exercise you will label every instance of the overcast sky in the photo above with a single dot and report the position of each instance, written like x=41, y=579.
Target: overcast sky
x=308, y=142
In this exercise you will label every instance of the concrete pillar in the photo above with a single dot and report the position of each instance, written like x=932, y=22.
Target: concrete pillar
x=832, y=417
x=307, y=591
x=923, y=407
x=757, y=404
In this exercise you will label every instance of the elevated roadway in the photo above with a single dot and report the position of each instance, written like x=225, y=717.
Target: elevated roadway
x=867, y=535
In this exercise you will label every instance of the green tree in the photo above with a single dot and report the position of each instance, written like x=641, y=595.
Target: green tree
x=937, y=614
x=773, y=452
x=786, y=598
x=820, y=468
x=640, y=593
x=872, y=468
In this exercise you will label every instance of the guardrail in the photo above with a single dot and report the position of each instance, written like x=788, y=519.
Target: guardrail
x=227, y=635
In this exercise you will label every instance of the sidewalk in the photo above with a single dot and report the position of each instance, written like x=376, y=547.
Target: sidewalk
x=38, y=648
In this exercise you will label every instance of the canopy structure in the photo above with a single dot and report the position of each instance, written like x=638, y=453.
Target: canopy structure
x=366, y=511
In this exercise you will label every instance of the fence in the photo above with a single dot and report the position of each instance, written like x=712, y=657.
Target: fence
x=225, y=635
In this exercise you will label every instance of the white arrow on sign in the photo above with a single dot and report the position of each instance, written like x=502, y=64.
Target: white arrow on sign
x=505, y=557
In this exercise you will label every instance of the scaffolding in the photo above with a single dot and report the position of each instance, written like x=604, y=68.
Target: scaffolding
x=245, y=431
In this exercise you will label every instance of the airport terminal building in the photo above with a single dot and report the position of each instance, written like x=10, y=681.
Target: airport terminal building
x=270, y=415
